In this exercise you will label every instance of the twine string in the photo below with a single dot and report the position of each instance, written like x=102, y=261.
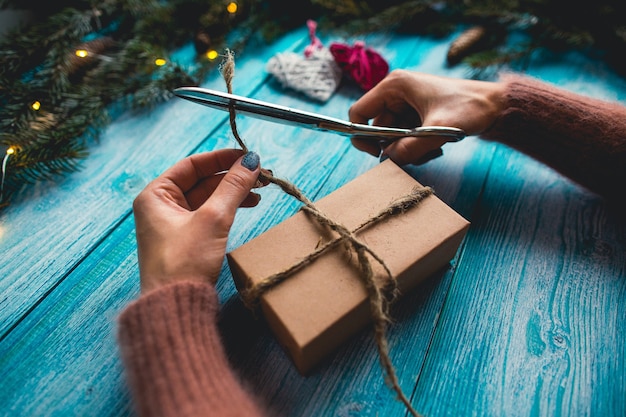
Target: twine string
x=378, y=302
x=251, y=295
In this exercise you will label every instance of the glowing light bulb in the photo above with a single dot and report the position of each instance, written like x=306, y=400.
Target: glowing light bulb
x=159, y=62
x=11, y=150
x=82, y=53
x=232, y=7
x=212, y=54
x=36, y=105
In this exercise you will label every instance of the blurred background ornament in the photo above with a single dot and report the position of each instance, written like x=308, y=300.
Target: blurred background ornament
x=314, y=73
x=359, y=63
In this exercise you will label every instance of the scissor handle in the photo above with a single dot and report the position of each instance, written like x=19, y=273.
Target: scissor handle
x=455, y=134
x=391, y=133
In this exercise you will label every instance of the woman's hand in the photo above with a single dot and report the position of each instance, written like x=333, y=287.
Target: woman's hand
x=183, y=217
x=410, y=99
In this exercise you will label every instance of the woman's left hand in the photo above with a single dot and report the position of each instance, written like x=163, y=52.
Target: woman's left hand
x=183, y=217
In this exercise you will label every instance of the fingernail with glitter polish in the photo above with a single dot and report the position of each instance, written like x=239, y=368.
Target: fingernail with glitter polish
x=251, y=161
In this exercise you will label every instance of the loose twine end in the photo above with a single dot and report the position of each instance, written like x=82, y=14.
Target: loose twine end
x=379, y=303
x=227, y=68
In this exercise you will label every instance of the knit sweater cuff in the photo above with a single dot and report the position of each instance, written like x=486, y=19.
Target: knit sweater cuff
x=174, y=359
x=580, y=137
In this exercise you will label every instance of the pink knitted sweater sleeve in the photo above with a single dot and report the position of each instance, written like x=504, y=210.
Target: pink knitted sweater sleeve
x=173, y=355
x=580, y=137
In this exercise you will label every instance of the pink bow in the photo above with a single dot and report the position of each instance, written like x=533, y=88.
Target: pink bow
x=364, y=65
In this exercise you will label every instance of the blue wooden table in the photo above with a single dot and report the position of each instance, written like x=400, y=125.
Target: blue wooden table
x=527, y=321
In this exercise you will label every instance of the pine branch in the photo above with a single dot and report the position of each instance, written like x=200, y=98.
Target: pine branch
x=25, y=50
x=159, y=89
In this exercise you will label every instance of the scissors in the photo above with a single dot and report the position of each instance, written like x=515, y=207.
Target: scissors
x=289, y=116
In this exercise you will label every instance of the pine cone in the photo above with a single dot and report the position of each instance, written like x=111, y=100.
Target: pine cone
x=468, y=42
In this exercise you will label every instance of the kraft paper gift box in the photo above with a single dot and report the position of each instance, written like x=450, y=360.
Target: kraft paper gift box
x=322, y=305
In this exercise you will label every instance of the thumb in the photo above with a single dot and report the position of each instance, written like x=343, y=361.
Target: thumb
x=236, y=184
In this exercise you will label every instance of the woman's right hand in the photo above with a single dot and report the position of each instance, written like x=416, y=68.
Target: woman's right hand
x=411, y=99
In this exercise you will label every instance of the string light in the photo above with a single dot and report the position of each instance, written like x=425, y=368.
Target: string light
x=212, y=54
x=159, y=62
x=35, y=106
x=232, y=7
x=83, y=53
x=10, y=151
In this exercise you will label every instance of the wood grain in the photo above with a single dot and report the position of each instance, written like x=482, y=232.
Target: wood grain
x=530, y=311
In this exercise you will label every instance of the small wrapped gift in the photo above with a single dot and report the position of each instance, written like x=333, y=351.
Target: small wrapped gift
x=322, y=304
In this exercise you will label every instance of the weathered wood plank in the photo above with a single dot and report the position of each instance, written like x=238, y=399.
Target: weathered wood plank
x=532, y=325
x=62, y=359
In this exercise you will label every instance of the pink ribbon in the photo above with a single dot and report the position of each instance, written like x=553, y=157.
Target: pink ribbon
x=315, y=41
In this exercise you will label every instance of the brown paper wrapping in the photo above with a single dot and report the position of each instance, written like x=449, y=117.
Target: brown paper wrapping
x=321, y=306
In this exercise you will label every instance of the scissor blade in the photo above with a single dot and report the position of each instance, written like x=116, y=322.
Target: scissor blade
x=289, y=116
x=263, y=110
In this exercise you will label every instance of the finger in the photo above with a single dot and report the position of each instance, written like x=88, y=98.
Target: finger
x=236, y=184
x=368, y=145
x=200, y=192
x=369, y=106
x=386, y=119
x=205, y=188
x=251, y=200
x=385, y=103
x=411, y=150
x=189, y=171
